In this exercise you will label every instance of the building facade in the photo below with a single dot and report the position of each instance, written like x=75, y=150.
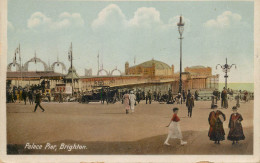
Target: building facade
x=150, y=68
x=150, y=75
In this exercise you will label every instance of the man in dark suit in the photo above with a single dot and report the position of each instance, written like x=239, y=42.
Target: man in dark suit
x=38, y=101
x=24, y=95
x=189, y=103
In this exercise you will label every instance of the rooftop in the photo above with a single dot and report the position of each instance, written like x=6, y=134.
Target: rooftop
x=33, y=74
x=158, y=64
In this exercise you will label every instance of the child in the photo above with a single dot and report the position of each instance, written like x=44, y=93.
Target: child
x=235, y=126
x=174, y=128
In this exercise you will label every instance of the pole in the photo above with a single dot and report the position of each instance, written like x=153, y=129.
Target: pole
x=71, y=69
x=180, y=84
x=226, y=76
x=98, y=64
x=20, y=65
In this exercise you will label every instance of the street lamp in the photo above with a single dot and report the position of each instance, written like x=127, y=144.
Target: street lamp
x=226, y=68
x=180, y=29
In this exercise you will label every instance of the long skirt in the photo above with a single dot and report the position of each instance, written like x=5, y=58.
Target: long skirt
x=225, y=103
x=175, y=130
x=236, y=133
x=217, y=133
x=132, y=104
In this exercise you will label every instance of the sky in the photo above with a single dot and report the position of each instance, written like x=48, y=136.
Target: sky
x=121, y=31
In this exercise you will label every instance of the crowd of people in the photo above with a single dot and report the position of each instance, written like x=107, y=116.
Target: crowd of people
x=226, y=95
x=216, y=133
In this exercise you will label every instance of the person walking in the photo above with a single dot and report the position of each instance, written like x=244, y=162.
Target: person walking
x=222, y=98
x=48, y=96
x=236, y=130
x=20, y=95
x=30, y=97
x=237, y=101
x=138, y=96
x=190, y=103
x=225, y=100
x=159, y=96
x=38, y=101
x=24, y=95
x=174, y=128
x=169, y=95
x=215, y=95
x=184, y=95
x=149, y=97
x=132, y=99
x=216, y=131
x=196, y=95
x=60, y=97
x=126, y=102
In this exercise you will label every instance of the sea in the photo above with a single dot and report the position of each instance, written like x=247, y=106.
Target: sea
x=238, y=86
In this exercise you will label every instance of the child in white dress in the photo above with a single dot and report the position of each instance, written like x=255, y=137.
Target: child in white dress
x=174, y=128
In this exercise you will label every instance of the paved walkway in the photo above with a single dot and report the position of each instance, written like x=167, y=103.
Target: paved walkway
x=106, y=129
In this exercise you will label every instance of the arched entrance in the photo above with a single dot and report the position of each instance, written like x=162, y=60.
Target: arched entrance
x=101, y=71
x=115, y=70
x=9, y=66
x=35, y=59
x=58, y=63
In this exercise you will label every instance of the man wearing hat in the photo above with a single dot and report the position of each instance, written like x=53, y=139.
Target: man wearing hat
x=38, y=101
x=190, y=104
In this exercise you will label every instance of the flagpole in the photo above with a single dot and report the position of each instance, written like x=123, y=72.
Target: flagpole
x=98, y=63
x=72, y=69
x=14, y=64
x=20, y=58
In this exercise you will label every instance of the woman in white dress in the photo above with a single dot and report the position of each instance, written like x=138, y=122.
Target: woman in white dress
x=132, y=101
x=174, y=128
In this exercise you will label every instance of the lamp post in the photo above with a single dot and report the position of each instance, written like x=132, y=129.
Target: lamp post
x=226, y=68
x=180, y=29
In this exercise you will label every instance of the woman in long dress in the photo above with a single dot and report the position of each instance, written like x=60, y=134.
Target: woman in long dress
x=132, y=101
x=236, y=130
x=126, y=102
x=174, y=128
x=216, y=131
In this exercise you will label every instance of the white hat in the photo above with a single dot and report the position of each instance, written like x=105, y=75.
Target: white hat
x=132, y=92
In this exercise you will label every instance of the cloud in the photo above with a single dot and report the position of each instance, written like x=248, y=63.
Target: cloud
x=111, y=16
x=145, y=17
x=225, y=20
x=10, y=26
x=39, y=20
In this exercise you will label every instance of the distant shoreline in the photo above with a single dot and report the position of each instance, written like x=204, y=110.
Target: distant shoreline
x=238, y=86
